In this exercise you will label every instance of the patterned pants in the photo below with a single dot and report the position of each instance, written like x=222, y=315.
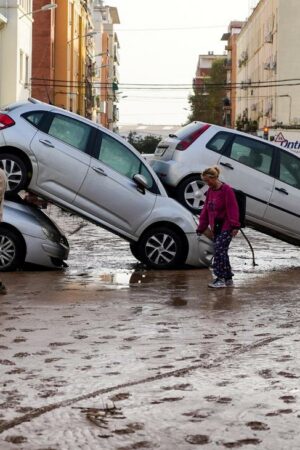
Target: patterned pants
x=221, y=265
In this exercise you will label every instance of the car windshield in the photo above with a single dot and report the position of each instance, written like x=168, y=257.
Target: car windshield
x=185, y=132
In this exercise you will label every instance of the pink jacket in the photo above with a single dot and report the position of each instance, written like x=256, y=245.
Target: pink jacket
x=219, y=204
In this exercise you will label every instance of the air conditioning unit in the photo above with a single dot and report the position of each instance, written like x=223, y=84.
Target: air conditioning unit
x=273, y=65
x=253, y=107
x=269, y=38
x=267, y=66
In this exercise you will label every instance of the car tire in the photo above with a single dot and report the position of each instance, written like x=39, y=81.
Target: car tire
x=134, y=248
x=161, y=248
x=191, y=193
x=12, y=251
x=16, y=172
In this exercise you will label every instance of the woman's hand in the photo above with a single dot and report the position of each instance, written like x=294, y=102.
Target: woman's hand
x=234, y=232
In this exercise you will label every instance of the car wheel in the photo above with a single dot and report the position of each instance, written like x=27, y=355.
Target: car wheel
x=191, y=193
x=16, y=172
x=161, y=248
x=12, y=253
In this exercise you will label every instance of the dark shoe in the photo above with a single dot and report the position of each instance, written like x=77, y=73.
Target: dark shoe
x=3, y=290
x=217, y=283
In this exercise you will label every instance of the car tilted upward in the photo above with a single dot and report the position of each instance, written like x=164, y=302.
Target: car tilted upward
x=27, y=235
x=85, y=168
x=268, y=174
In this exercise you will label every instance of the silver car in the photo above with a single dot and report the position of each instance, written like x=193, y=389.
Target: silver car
x=85, y=168
x=27, y=235
x=267, y=173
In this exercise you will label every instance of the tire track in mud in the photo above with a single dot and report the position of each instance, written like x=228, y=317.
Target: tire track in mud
x=4, y=426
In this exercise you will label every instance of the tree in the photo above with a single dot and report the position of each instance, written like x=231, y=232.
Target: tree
x=208, y=99
x=146, y=144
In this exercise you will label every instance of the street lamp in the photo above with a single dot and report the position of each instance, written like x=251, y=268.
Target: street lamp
x=46, y=7
x=89, y=34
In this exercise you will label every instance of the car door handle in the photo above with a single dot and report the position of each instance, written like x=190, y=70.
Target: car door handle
x=284, y=191
x=229, y=166
x=45, y=142
x=99, y=170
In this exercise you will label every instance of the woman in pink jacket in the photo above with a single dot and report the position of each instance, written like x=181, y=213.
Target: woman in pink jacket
x=220, y=217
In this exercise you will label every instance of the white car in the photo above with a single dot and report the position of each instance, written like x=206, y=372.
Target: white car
x=85, y=168
x=267, y=173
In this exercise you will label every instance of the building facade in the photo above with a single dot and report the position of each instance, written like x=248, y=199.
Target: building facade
x=268, y=65
x=15, y=50
x=231, y=66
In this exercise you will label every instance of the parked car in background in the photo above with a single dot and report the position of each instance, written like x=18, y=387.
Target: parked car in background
x=27, y=235
x=268, y=174
x=85, y=168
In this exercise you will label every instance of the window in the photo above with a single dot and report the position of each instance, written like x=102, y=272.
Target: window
x=34, y=118
x=252, y=153
x=218, y=141
x=289, y=171
x=70, y=131
x=122, y=160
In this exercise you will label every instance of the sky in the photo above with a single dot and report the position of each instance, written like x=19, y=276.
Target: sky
x=160, y=41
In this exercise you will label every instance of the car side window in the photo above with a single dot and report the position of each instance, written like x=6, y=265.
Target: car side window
x=122, y=160
x=252, y=153
x=218, y=142
x=35, y=118
x=70, y=131
x=289, y=169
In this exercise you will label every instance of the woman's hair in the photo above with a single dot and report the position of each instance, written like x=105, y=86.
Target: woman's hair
x=211, y=172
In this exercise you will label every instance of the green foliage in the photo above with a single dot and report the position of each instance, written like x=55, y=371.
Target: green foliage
x=207, y=100
x=145, y=144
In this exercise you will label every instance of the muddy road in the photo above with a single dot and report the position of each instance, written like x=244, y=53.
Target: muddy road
x=108, y=355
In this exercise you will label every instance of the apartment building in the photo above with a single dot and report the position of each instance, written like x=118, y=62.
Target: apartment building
x=106, y=83
x=230, y=37
x=269, y=66
x=15, y=49
x=203, y=69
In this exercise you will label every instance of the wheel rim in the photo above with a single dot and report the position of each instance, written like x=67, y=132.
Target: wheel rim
x=194, y=194
x=161, y=249
x=7, y=252
x=13, y=172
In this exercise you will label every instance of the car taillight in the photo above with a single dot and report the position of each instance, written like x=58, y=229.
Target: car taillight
x=6, y=121
x=188, y=140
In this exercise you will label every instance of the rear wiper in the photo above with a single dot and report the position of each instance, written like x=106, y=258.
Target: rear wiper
x=172, y=136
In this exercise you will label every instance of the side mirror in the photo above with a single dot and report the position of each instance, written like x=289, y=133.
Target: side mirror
x=141, y=182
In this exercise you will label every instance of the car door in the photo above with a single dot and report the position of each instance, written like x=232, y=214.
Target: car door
x=109, y=195
x=283, y=212
x=246, y=166
x=61, y=157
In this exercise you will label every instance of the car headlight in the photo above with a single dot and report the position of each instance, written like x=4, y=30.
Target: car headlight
x=51, y=234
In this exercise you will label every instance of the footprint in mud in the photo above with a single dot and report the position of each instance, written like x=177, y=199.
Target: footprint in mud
x=59, y=344
x=81, y=336
x=284, y=358
x=213, y=398
x=288, y=398
x=6, y=362
x=241, y=442
x=197, y=439
x=131, y=428
x=258, y=426
x=16, y=439
x=279, y=412
x=166, y=399
x=266, y=373
x=197, y=416
x=120, y=396
x=178, y=387
x=165, y=349
x=19, y=339
x=287, y=374
x=21, y=355
x=138, y=445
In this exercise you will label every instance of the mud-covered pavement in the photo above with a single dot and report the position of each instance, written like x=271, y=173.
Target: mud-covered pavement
x=106, y=355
